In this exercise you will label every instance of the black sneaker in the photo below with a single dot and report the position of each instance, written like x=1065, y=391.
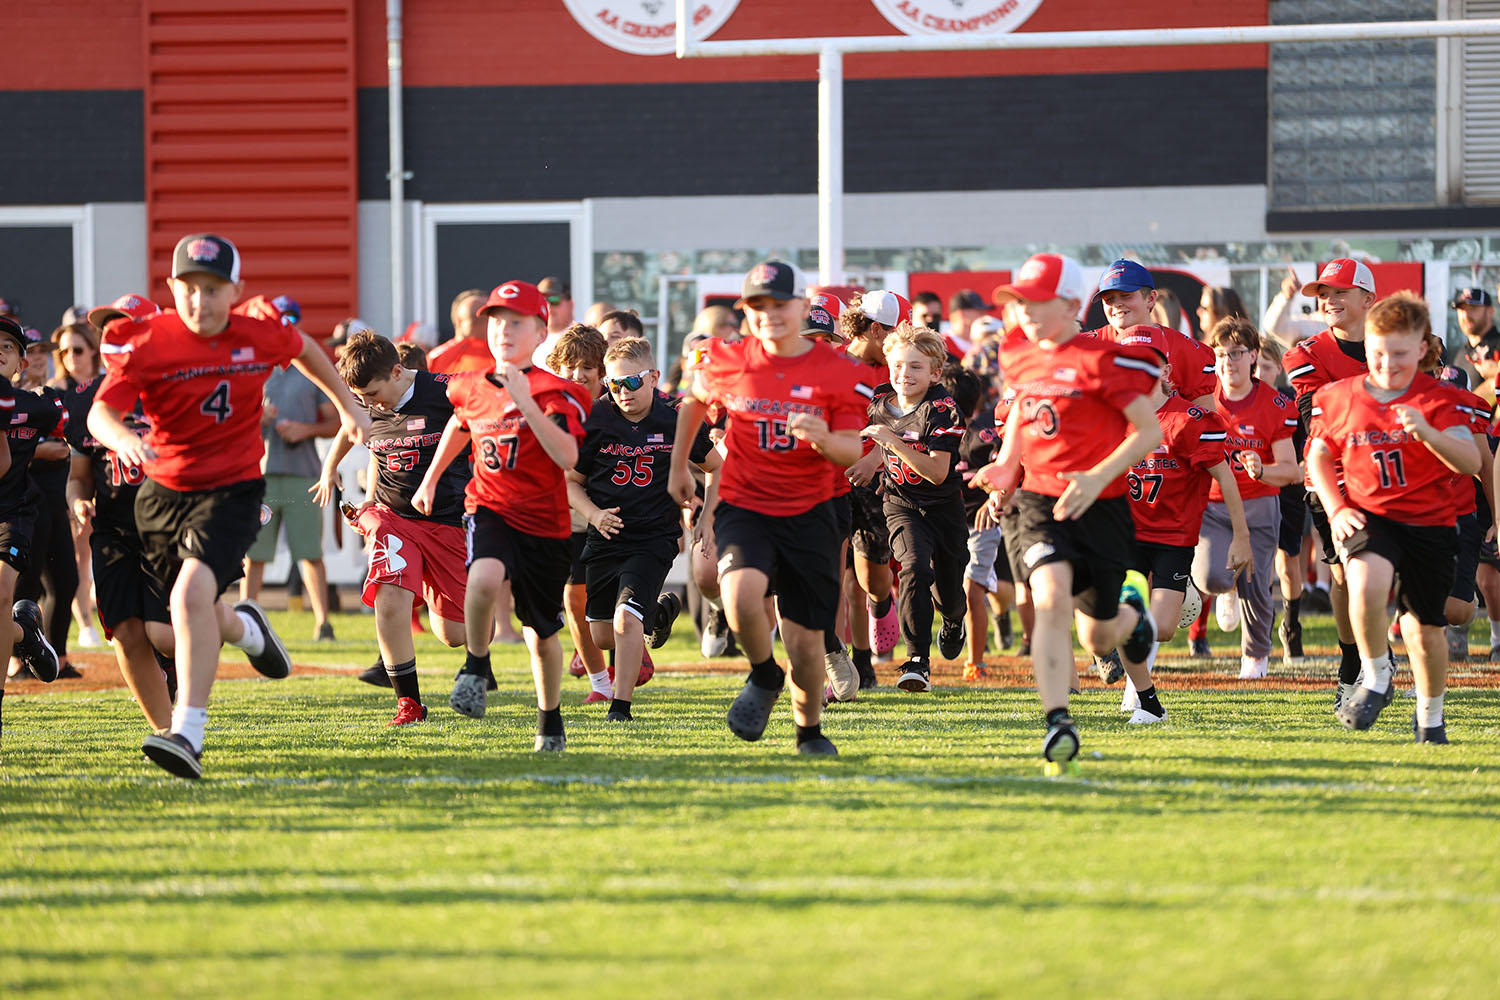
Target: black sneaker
x=751, y=711
x=867, y=679
x=325, y=633
x=1005, y=630
x=951, y=638
x=375, y=674
x=914, y=678
x=1291, y=642
x=1136, y=593
x=1061, y=743
x=1361, y=709
x=1025, y=649
x=68, y=672
x=1109, y=668
x=273, y=661
x=174, y=754
x=615, y=716
x=33, y=649
x=820, y=746
x=1421, y=734
x=668, y=607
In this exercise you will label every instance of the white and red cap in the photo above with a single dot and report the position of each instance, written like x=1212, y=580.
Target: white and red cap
x=519, y=296
x=129, y=305
x=1341, y=273
x=885, y=308
x=1045, y=276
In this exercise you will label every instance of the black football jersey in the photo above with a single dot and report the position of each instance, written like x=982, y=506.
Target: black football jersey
x=51, y=475
x=115, y=482
x=32, y=418
x=404, y=442
x=976, y=449
x=933, y=425
x=626, y=465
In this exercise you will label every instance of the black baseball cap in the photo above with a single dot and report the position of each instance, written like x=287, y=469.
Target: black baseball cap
x=967, y=298
x=207, y=253
x=10, y=328
x=1472, y=297
x=774, y=278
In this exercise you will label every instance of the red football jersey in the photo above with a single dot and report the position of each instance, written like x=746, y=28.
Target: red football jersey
x=1169, y=487
x=1192, y=362
x=1318, y=360
x=766, y=469
x=471, y=354
x=202, y=396
x=1466, y=489
x=1071, y=399
x=513, y=474
x=1385, y=471
x=1253, y=423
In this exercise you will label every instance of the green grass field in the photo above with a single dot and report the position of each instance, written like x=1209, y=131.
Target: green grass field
x=1250, y=847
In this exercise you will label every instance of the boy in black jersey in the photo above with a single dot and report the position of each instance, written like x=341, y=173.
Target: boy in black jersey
x=415, y=558
x=28, y=418
x=635, y=527
x=919, y=428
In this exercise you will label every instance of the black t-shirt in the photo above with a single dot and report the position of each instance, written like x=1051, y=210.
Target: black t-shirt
x=33, y=417
x=115, y=483
x=51, y=474
x=626, y=464
x=976, y=449
x=934, y=425
x=404, y=441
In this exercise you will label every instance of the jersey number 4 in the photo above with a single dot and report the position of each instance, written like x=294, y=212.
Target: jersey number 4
x=640, y=473
x=217, y=404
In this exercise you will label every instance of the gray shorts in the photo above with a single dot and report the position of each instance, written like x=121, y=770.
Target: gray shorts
x=984, y=546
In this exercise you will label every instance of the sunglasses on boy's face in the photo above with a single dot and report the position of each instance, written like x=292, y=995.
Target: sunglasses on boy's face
x=629, y=383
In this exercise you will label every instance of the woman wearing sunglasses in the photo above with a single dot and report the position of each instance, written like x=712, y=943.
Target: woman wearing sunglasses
x=77, y=364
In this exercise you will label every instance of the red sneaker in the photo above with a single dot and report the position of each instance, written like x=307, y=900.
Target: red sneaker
x=595, y=698
x=648, y=669
x=576, y=667
x=408, y=710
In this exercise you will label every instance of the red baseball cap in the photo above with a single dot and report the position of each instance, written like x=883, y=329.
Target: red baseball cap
x=1145, y=335
x=130, y=305
x=1341, y=273
x=519, y=296
x=1045, y=276
x=823, y=311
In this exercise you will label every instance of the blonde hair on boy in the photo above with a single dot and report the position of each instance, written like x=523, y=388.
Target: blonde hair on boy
x=925, y=340
x=637, y=349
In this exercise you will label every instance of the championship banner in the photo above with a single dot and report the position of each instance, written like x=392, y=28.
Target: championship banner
x=956, y=17
x=646, y=27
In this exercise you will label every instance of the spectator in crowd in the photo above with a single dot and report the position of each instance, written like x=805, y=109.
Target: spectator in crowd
x=559, y=316
x=77, y=354
x=1167, y=311
x=927, y=310
x=1281, y=323
x=620, y=325
x=412, y=356
x=964, y=308
x=595, y=313
x=468, y=351
x=1218, y=302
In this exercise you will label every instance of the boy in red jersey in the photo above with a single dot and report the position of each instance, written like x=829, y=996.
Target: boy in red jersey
x=199, y=375
x=1399, y=437
x=1169, y=490
x=525, y=424
x=1128, y=294
x=1260, y=422
x=792, y=409
x=1345, y=290
x=1081, y=418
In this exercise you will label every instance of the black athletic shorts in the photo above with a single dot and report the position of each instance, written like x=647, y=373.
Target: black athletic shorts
x=626, y=575
x=1471, y=551
x=122, y=588
x=1100, y=546
x=1167, y=566
x=1424, y=556
x=576, y=542
x=799, y=553
x=843, y=514
x=1320, y=524
x=536, y=567
x=215, y=527
x=16, y=530
x=871, y=536
x=1010, y=531
x=1293, y=518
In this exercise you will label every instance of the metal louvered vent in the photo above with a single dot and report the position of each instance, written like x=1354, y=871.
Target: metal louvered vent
x=1481, y=109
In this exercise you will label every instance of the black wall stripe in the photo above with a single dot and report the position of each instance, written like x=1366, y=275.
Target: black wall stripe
x=63, y=147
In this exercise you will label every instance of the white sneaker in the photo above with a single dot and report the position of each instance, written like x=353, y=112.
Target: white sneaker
x=843, y=679
x=1227, y=612
x=1141, y=717
x=1130, y=701
x=1253, y=668
x=89, y=638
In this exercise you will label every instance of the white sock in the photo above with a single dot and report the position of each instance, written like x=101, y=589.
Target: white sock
x=1151, y=657
x=713, y=602
x=1376, y=674
x=1429, y=710
x=254, y=640
x=1494, y=632
x=601, y=683
x=189, y=722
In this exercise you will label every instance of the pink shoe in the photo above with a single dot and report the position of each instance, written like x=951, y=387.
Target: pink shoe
x=884, y=632
x=576, y=668
x=595, y=698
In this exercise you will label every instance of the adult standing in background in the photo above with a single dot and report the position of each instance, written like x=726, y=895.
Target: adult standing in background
x=77, y=356
x=468, y=351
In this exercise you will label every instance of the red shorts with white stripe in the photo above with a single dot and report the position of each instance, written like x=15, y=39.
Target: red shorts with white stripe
x=423, y=557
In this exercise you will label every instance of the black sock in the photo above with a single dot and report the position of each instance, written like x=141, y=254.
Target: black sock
x=2, y=702
x=549, y=722
x=477, y=664
x=806, y=734
x=620, y=706
x=831, y=641
x=404, y=679
x=861, y=659
x=1150, y=702
x=1058, y=715
x=1292, y=612
x=1349, y=667
x=882, y=607
x=767, y=675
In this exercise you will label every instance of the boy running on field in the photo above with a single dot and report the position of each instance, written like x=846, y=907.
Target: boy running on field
x=525, y=424
x=1398, y=436
x=415, y=558
x=635, y=527
x=1081, y=417
x=1128, y=294
x=919, y=428
x=791, y=409
x=199, y=374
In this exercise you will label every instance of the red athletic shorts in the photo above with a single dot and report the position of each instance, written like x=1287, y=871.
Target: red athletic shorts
x=423, y=557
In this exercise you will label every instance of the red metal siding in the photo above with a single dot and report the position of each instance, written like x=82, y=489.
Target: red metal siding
x=250, y=133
